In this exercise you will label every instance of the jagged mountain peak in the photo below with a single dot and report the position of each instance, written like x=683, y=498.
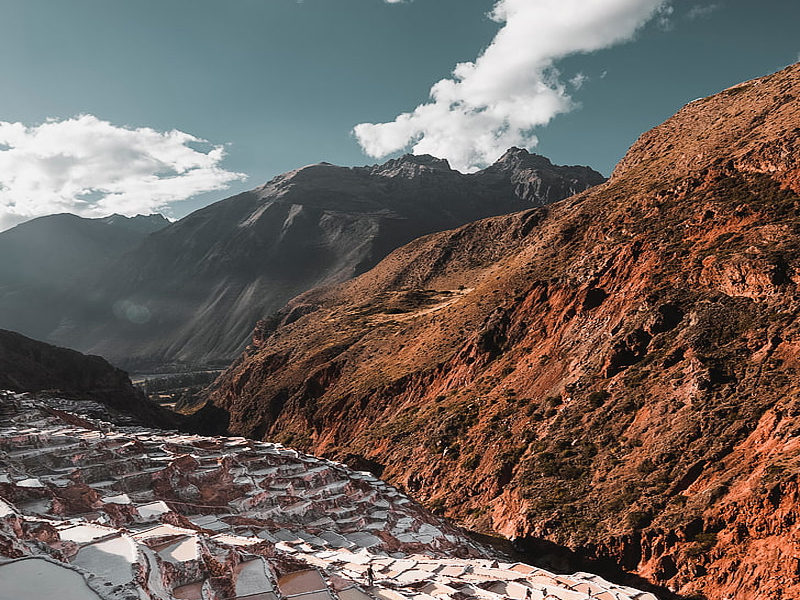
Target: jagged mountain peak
x=411, y=165
x=520, y=157
x=325, y=174
x=140, y=223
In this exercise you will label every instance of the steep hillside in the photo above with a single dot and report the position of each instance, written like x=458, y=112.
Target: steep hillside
x=615, y=373
x=30, y=366
x=193, y=292
x=41, y=258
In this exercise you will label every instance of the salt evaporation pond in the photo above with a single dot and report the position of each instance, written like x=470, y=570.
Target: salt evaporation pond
x=40, y=579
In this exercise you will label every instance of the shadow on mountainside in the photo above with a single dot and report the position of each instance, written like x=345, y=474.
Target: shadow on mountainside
x=550, y=556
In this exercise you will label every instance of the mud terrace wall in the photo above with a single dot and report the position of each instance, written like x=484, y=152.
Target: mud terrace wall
x=92, y=510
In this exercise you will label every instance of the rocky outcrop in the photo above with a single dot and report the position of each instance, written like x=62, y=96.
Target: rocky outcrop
x=192, y=292
x=89, y=511
x=614, y=373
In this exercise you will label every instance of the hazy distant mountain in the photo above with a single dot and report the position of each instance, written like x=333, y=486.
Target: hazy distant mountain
x=193, y=291
x=59, y=246
x=40, y=259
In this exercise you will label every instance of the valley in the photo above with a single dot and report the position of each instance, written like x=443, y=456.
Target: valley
x=603, y=373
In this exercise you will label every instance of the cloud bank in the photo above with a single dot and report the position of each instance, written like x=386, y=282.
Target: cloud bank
x=92, y=168
x=495, y=102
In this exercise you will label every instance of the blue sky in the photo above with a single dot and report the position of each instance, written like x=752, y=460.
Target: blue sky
x=138, y=105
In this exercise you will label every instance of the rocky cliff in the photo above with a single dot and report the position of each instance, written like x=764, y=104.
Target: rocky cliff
x=615, y=373
x=193, y=291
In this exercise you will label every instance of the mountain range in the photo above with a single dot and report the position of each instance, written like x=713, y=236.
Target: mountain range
x=191, y=292
x=42, y=258
x=603, y=372
x=614, y=374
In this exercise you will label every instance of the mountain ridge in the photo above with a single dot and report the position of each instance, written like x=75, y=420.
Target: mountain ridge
x=27, y=365
x=193, y=292
x=44, y=256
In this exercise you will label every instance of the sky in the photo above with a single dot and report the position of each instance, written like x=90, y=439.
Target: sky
x=140, y=106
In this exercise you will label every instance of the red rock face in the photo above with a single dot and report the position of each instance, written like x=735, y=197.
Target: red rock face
x=616, y=373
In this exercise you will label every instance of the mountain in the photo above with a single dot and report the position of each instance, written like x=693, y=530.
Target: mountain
x=144, y=224
x=30, y=366
x=41, y=259
x=193, y=291
x=614, y=374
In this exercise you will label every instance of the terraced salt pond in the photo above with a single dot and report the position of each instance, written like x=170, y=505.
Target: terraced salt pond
x=39, y=579
x=134, y=514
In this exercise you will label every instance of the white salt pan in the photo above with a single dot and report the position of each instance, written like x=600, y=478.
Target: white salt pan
x=154, y=509
x=252, y=578
x=51, y=581
x=30, y=483
x=181, y=551
x=85, y=533
x=112, y=560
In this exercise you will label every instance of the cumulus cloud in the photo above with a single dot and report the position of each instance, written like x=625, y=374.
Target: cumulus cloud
x=578, y=80
x=92, y=168
x=496, y=101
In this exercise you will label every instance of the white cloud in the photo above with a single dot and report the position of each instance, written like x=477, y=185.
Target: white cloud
x=578, y=80
x=700, y=11
x=92, y=168
x=664, y=17
x=495, y=102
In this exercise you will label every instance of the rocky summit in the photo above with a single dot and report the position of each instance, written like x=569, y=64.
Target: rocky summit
x=192, y=292
x=90, y=510
x=615, y=373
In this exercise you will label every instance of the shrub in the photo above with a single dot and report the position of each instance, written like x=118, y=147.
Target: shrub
x=471, y=462
x=597, y=399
